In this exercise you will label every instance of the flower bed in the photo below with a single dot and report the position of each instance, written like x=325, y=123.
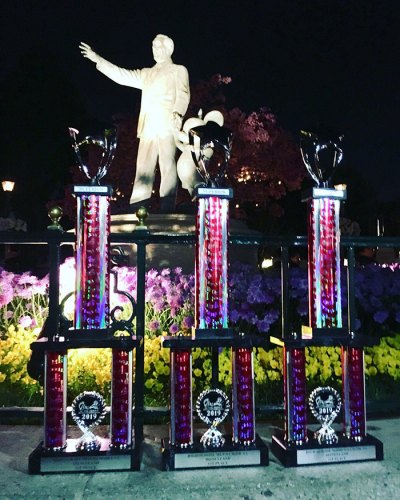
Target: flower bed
x=255, y=308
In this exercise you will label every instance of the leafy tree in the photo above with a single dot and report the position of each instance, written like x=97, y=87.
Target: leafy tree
x=265, y=161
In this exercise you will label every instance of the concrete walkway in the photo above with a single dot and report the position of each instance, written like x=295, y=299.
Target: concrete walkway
x=363, y=480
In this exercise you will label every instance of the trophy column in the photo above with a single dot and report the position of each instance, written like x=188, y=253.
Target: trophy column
x=181, y=428
x=244, y=429
x=353, y=380
x=92, y=283
x=121, y=399
x=295, y=402
x=55, y=422
x=211, y=300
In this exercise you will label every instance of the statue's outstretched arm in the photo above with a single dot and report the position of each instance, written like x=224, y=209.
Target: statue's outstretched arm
x=128, y=77
x=89, y=53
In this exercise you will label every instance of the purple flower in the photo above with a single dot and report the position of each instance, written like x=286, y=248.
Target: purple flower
x=256, y=295
x=174, y=300
x=264, y=325
x=187, y=322
x=154, y=325
x=234, y=315
x=158, y=305
x=173, y=329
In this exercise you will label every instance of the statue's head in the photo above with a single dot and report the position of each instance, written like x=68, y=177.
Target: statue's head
x=163, y=47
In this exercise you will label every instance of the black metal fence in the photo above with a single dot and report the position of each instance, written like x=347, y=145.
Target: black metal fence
x=141, y=239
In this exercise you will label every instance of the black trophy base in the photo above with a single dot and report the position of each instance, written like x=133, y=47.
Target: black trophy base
x=312, y=453
x=42, y=461
x=229, y=455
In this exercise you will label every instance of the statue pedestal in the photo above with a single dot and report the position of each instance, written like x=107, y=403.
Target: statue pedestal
x=182, y=255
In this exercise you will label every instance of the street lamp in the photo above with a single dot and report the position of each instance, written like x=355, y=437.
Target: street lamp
x=8, y=188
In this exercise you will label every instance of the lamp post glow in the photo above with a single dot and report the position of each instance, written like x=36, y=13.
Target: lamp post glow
x=8, y=186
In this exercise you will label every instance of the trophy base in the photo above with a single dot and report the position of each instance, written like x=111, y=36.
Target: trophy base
x=311, y=453
x=42, y=461
x=229, y=455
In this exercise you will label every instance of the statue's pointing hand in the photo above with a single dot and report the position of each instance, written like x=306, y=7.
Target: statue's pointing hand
x=87, y=52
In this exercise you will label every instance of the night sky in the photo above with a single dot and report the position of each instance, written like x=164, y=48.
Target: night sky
x=317, y=61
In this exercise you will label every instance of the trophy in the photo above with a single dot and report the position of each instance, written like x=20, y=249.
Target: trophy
x=212, y=407
x=85, y=152
x=88, y=410
x=322, y=153
x=211, y=150
x=325, y=404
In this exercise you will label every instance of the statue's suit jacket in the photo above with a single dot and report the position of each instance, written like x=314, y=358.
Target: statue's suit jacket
x=165, y=89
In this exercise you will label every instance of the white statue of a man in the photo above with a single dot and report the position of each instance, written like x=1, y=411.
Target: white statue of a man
x=165, y=99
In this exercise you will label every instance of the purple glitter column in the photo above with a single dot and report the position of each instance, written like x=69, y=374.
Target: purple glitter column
x=295, y=395
x=211, y=300
x=354, y=392
x=243, y=396
x=325, y=306
x=121, y=399
x=181, y=398
x=54, y=412
x=92, y=262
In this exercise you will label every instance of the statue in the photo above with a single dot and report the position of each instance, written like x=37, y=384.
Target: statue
x=165, y=98
x=187, y=170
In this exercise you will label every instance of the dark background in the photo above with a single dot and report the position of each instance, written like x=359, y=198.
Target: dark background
x=329, y=62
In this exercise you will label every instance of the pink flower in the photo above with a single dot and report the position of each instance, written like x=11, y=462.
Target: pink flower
x=26, y=279
x=6, y=293
x=25, y=321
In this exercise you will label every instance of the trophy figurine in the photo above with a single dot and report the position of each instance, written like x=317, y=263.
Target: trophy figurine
x=321, y=152
x=212, y=407
x=211, y=151
x=105, y=145
x=325, y=404
x=88, y=410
